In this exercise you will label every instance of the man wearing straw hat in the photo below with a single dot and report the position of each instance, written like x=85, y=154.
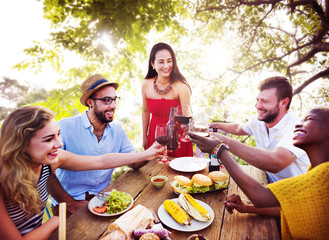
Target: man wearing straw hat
x=92, y=133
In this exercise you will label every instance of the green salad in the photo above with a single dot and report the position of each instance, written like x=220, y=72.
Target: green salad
x=117, y=202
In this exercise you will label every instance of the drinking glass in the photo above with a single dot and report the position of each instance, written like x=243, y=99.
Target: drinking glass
x=162, y=138
x=183, y=116
x=199, y=125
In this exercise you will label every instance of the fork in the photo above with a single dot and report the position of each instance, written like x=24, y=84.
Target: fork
x=102, y=195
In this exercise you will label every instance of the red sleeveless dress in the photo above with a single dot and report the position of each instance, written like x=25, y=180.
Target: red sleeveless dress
x=159, y=114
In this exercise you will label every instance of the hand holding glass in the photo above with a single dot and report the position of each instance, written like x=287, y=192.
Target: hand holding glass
x=183, y=116
x=162, y=138
x=200, y=126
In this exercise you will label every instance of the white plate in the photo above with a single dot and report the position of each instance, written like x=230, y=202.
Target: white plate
x=195, y=225
x=96, y=201
x=188, y=164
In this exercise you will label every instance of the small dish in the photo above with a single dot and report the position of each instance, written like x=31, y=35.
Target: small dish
x=159, y=181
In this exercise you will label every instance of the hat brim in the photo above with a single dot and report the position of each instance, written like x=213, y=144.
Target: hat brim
x=87, y=94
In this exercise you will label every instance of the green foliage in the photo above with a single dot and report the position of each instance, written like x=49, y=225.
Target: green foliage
x=4, y=111
x=323, y=93
x=11, y=90
x=127, y=21
x=36, y=95
x=65, y=102
x=39, y=54
x=266, y=36
x=14, y=95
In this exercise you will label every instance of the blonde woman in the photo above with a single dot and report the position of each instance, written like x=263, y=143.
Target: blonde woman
x=29, y=152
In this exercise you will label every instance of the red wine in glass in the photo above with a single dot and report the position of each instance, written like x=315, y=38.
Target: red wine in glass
x=162, y=138
x=182, y=119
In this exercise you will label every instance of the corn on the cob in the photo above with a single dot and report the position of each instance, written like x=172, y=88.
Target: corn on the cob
x=177, y=212
x=193, y=208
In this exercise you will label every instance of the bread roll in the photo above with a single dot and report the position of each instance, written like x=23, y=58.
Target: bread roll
x=149, y=236
x=218, y=176
x=183, y=180
x=202, y=180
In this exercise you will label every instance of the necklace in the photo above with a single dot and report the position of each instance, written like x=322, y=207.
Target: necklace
x=164, y=91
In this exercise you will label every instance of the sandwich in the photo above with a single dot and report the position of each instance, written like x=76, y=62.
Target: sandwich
x=219, y=179
x=182, y=184
x=201, y=183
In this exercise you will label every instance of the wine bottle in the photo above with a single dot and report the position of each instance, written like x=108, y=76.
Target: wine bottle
x=172, y=131
x=213, y=164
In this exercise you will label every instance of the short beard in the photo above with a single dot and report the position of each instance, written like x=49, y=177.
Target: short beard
x=272, y=115
x=101, y=116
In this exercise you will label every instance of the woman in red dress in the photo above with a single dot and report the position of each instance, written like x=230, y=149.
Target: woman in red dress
x=164, y=87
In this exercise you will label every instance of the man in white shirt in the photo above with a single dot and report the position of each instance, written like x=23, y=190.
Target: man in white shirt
x=272, y=129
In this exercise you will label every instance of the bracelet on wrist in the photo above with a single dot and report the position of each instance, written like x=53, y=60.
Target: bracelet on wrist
x=215, y=150
x=221, y=148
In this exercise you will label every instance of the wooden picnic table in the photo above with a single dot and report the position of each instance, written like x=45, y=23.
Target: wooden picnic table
x=85, y=225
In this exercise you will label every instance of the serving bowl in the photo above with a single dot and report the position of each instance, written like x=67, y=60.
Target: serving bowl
x=159, y=181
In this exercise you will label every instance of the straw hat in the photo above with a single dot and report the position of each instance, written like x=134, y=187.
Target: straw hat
x=92, y=84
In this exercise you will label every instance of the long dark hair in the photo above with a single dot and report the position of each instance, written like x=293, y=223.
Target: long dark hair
x=175, y=74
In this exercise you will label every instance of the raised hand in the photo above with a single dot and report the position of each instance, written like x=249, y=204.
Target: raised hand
x=205, y=144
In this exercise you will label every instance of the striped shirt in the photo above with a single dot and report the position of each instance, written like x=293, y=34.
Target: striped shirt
x=23, y=222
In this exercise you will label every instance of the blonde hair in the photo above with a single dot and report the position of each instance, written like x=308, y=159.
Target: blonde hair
x=16, y=174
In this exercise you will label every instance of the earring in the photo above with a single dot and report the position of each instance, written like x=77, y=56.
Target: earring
x=153, y=68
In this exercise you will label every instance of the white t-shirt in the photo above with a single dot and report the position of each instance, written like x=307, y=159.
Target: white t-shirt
x=281, y=135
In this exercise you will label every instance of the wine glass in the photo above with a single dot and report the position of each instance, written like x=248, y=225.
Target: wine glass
x=162, y=138
x=183, y=116
x=199, y=125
